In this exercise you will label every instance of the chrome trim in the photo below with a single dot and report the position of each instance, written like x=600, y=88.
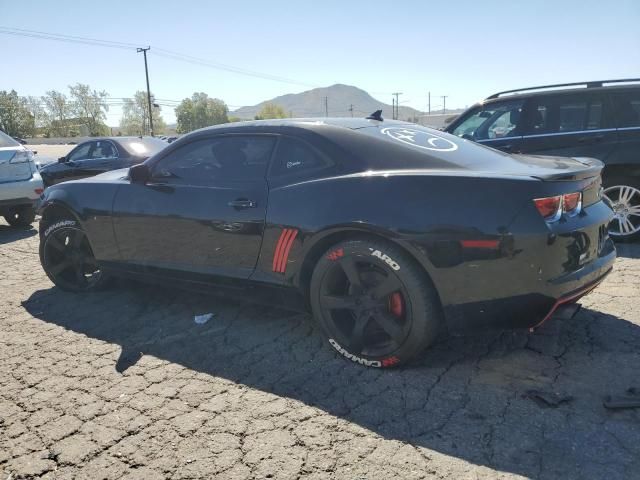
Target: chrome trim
x=501, y=138
x=629, y=128
x=577, y=132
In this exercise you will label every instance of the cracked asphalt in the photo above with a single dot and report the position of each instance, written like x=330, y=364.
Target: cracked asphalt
x=124, y=384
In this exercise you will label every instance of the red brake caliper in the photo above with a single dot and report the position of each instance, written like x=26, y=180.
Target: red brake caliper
x=396, y=305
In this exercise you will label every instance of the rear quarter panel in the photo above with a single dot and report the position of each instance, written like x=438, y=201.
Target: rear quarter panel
x=426, y=214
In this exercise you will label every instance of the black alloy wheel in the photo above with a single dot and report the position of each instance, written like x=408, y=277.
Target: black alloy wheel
x=67, y=258
x=375, y=304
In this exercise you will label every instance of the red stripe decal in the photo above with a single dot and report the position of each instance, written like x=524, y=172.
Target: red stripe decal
x=276, y=255
x=285, y=239
x=479, y=243
x=287, y=249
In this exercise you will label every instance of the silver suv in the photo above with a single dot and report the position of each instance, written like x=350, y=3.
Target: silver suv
x=20, y=183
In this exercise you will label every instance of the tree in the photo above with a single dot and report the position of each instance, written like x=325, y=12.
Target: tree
x=271, y=110
x=90, y=108
x=135, y=116
x=200, y=111
x=57, y=111
x=15, y=119
x=34, y=104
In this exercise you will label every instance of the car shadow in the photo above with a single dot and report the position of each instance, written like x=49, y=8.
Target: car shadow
x=466, y=397
x=11, y=234
x=628, y=250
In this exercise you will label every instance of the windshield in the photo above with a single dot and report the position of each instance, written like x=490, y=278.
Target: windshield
x=7, y=141
x=491, y=121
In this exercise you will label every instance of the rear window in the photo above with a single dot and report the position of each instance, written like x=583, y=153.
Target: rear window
x=7, y=141
x=143, y=147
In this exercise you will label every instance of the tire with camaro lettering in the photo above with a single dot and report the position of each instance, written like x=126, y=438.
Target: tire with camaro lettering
x=376, y=305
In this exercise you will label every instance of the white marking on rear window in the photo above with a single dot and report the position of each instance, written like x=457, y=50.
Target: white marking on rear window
x=420, y=139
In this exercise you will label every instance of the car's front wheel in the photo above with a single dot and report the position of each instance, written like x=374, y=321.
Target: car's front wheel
x=624, y=196
x=67, y=258
x=374, y=303
x=21, y=216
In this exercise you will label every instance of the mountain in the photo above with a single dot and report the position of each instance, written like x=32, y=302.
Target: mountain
x=340, y=98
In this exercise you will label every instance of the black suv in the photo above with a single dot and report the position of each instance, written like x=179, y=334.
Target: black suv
x=592, y=119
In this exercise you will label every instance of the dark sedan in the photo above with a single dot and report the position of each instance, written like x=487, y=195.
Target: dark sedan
x=391, y=231
x=100, y=155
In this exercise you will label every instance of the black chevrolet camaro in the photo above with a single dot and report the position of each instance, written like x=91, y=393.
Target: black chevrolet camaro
x=392, y=232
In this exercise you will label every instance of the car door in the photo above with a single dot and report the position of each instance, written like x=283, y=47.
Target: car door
x=203, y=209
x=102, y=157
x=572, y=125
x=496, y=124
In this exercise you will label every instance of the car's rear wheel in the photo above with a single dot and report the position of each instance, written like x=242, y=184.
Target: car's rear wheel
x=67, y=258
x=21, y=216
x=374, y=303
x=624, y=196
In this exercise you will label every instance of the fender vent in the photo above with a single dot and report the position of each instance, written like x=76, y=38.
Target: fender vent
x=283, y=247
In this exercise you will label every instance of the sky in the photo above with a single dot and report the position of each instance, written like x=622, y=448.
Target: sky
x=463, y=49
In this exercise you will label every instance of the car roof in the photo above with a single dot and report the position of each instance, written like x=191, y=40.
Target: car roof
x=562, y=88
x=313, y=123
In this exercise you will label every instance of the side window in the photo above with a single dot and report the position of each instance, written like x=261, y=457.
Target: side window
x=572, y=116
x=224, y=158
x=81, y=152
x=627, y=109
x=564, y=113
x=294, y=156
x=103, y=149
x=493, y=120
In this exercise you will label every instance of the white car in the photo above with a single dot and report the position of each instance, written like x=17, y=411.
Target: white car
x=20, y=182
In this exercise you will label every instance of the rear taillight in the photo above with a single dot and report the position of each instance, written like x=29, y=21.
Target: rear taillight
x=21, y=156
x=552, y=208
x=572, y=202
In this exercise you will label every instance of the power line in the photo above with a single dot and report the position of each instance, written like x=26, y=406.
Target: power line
x=157, y=51
x=66, y=38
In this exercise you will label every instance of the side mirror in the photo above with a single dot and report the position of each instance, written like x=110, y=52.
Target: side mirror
x=139, y=173
x=62, y=159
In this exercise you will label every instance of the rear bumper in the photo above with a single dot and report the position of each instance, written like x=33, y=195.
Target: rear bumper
x=21, y=190
x=525, y=286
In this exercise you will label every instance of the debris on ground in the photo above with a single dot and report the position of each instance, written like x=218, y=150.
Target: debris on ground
x=548, y=399
x=204, y=318
x=618, y=402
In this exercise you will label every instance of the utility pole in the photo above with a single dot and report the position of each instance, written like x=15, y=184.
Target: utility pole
x=351, y=108
x=146, y=72
x=444, y=103
x=429, y=102
x=393, y=108
x=326, y=106
x=397, y=112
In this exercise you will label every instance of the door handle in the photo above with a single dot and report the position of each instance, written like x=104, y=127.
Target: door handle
x=242, y=203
